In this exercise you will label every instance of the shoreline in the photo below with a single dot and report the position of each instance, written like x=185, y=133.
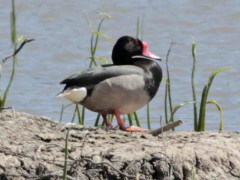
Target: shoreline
x=32, y=147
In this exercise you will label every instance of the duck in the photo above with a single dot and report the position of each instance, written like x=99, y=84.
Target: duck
x=123, y=87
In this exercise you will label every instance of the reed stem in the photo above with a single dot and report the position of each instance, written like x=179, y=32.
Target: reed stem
x=74, y=114
x=61, y=114
x=148, y=116
x=137, y=119
x=168, y=83
x=202, y=111
x=80, y=118
x=130, y=119
x=195, y=108
x=97, y=120
x=166, y=102
x=83, y=115
x=14, y=42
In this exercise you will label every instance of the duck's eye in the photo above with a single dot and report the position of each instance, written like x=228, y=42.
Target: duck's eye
x=135, y=41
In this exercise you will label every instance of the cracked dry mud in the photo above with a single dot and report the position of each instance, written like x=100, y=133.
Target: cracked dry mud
x=33, y=147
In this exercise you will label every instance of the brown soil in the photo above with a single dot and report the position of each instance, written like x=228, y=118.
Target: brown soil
x=33, y=147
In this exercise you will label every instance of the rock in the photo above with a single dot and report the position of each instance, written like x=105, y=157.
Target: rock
x=32, y=147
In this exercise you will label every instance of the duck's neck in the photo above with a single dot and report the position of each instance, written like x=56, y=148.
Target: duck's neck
x=152, y=75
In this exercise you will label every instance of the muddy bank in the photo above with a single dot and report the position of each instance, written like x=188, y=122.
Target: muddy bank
x=33, y=148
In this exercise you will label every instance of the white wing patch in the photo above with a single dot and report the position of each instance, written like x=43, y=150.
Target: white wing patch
x=75, y=95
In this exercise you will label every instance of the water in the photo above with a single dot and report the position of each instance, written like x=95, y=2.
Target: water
x=62, y=48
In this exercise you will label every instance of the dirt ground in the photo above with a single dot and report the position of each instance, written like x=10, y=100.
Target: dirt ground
x=33, y=147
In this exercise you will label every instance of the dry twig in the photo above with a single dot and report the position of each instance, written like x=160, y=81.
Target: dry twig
x=166, y=127
x=17, y=50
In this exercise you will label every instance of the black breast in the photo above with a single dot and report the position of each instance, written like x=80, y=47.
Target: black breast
x=152, y=76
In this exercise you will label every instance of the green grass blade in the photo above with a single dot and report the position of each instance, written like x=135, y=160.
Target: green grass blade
x=168, y=82
x=88, y=22
x=10, y=81
x=97, y=120
x=74, y=114
x=94, y=42
x=105, y=15
x=100, y=34
x=221, y=127
x=80, y=120
x=137, y=119
x=195, y=108
x=166, y=103
x=1, y=102
x=148, y=116
x=14, y=42
x=202, y=112
x=93, y=61
x=130, y=119
x=83, y=115
x=104, y=60
x=178, y=107
x=110, y=117
x=91, y=44
x=61, y=114
x=13, y=24
x=97, y=33
x=62, y=110
x=214, y=73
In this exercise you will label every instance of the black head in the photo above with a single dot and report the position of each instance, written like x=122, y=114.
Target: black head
x=126, y=47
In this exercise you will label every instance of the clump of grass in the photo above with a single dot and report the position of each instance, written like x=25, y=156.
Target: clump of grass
x=199, y=116
x=95, y=35
x=199, y=121
x=205, y=92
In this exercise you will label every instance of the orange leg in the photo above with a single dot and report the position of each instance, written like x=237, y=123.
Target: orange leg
x=106, y=121
x=122, y=125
